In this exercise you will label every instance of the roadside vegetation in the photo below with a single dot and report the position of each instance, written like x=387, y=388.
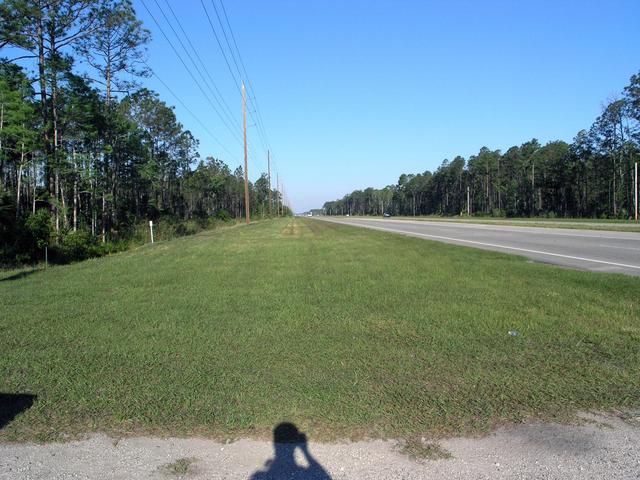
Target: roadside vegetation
x=345, y=331
x=592, y=177
x=87, y=154
x=37, y=244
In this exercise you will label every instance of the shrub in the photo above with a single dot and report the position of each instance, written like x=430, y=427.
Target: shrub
x=223, y=215
x=112, y=247
x=186, y=228
x=36, y=233
x=78, y=245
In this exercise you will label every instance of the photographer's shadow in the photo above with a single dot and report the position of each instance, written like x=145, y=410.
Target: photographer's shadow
x=286, y=438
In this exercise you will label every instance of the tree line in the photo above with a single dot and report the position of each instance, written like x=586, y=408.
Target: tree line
x=85, y=157
x=591, y=177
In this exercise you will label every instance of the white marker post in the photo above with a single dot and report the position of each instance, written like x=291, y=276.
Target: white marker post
x=151, y=229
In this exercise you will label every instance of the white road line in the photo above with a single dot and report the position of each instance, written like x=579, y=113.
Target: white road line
x=622, y=248
x=539, y=252
x=509, y=228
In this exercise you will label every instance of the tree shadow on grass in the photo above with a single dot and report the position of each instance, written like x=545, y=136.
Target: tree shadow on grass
x=12, y=405
x=286, y=438
x=19, y=275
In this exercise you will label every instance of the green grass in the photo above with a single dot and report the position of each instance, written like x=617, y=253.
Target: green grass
x=571, y=223
x=418, y=449
x=180, y=467
x=346, y=332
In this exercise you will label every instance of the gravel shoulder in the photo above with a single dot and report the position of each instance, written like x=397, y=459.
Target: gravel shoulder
x=601, y=447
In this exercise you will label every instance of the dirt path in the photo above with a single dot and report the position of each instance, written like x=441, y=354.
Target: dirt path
x=606, y=447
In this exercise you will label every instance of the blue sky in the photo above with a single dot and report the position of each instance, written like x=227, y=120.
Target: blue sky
x=354, y=93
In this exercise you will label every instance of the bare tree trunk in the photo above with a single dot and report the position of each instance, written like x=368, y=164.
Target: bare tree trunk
x=499, y=196
x=43, y=102
x=35, y=183
x=94, y=194
x=19, y=181
x=57, y=195
x=108, y=82
x=54, y=117
x=540, y=206
x=104, y=218
x=65, y=220
x=75, y=191
x=533, y=189
x=613, y=196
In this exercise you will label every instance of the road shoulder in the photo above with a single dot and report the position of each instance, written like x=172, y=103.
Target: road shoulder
x=603, y=446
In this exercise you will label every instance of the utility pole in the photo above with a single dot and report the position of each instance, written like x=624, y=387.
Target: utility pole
x=468, y=203
x=246, y=166
x=269, y=176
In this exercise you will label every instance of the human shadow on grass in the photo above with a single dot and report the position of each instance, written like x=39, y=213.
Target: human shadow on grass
x=286, y=438
x=12, y=405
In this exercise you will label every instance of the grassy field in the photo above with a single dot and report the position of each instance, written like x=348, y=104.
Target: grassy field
x=347, y=332
x=572, y=223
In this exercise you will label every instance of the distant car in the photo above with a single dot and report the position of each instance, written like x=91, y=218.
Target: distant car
x=309, y=214
x=347, y=215
x=386, y=214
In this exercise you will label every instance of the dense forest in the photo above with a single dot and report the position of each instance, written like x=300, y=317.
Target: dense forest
x=86, y=156
x=591, y=177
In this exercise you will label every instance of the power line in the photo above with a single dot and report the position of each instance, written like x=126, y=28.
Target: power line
x=232, y=131
x=226, y=39
x=235, y=81
x=205, y=128
x=202, y=124
x=233, y=37
x=260, y=127
x=191, y=75
x=223, y=104
x=259, y=123
x=252, y=98
x=222, y=50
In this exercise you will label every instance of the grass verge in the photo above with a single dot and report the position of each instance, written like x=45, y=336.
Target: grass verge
x=346, y=332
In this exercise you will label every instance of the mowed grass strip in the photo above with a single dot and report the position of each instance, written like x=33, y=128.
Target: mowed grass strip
x=347, y=332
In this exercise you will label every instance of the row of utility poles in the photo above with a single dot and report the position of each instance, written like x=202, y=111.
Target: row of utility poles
x=246, y=168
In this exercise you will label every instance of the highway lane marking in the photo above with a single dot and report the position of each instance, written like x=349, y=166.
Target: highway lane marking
x=518, y=249
x=510, y=228
x=622, y=248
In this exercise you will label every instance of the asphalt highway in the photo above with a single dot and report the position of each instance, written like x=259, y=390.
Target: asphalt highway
x=595, y=250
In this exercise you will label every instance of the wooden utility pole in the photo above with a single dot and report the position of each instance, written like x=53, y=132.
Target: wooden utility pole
x=269, y=177
x=468, y=202
x=246, y=166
